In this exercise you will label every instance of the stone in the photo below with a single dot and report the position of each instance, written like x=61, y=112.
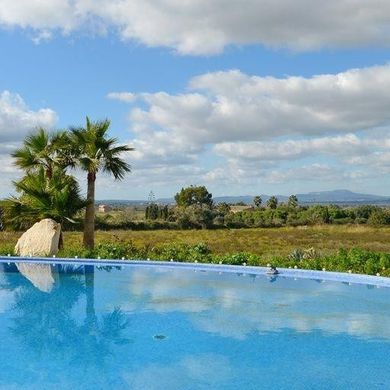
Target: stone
x=42, y=276
x=42, y=239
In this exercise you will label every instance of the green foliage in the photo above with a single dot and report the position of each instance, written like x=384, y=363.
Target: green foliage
x=154, y=212
x=379, y=217
x=58, y=198
x=312, y=248
x=364, y=212
x=222, y=209
x=44, y=150
x=355, y=260
x=112, y=250
x=272, y=202
x=257, y=201
x=194, y=195
x=292, y=201
x=1, y=219
x=94, y=151
x=194, y=216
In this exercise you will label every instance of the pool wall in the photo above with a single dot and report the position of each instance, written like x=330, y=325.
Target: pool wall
x=379, y=281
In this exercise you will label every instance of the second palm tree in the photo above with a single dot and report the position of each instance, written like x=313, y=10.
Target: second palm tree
x=94, y=151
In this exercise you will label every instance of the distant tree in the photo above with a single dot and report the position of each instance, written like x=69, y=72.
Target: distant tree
x=1, y=219
x=365, y=211
x=379, y=217
x=318, y=214
x=152, y=211
x=151, y=197
x=257, y=201
x=163, y=212
x=223, y=208
x=292, y=201
x=272, y=202
x=194, y=195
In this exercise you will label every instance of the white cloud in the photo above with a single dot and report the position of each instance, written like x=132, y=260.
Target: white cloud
x=232, y=106
x=17, y=119
x=39, y=14
x=229, y=128
x=206, y=27
x=42, y=36
x=125, y=97
x=242, y=116
x=311, y=173
x=346, y=147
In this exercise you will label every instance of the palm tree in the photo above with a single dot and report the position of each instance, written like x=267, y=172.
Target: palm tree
x=58, y=199
x=43, y=149
x=94, y=151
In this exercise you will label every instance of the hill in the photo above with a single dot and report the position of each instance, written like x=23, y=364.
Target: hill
x=342, y=197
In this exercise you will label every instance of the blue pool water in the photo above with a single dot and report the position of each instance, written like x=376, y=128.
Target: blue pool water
x=151, y=327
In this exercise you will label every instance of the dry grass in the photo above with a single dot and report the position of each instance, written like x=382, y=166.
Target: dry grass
x=326, y=240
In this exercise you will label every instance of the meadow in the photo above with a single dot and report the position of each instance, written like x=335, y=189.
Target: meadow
x=362, y=249
x=267, y=242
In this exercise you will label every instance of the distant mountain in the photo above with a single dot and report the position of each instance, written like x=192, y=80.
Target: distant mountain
x=344, y=197
x=323, y=197
x=122, y=202
x=247, y=199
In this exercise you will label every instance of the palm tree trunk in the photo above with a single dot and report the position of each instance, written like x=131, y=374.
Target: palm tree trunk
x=89, y=221
x=61, y=240
x=90, y=319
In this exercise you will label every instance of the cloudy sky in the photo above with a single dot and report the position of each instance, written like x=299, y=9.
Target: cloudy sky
x=246, y=97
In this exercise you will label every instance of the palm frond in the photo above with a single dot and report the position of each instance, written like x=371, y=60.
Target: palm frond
x=96, y=151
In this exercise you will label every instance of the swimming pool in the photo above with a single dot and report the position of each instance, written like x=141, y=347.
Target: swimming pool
x=154, y=326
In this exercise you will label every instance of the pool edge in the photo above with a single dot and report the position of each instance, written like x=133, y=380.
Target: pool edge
x=379, y=281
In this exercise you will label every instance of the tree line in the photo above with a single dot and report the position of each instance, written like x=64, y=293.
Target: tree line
x=195, y=208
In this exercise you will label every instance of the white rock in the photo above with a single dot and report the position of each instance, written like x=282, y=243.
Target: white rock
x=40, y=240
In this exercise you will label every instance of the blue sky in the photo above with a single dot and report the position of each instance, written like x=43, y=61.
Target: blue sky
x=246, y=100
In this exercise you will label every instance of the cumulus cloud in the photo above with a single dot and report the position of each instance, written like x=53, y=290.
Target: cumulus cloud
x=343, y=146
x=17, y=119
x=125, y=97
x=230, y=128
x=311, y=173
x=232, y=106
x=38, y=14
x=264, y=118
x=207, y=27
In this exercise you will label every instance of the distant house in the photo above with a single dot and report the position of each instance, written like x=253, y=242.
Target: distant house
x=103, y=208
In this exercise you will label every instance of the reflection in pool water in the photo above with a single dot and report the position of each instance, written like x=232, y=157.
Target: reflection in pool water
x=69, y=327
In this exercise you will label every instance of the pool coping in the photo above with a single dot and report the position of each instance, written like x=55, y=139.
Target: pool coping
x=379, y=281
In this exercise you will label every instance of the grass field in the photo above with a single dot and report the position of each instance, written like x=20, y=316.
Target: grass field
x=327, y=240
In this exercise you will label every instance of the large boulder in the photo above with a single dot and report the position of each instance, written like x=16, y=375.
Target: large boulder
x=40, y=240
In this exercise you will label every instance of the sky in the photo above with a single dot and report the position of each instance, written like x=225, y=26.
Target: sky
x=244, y=97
